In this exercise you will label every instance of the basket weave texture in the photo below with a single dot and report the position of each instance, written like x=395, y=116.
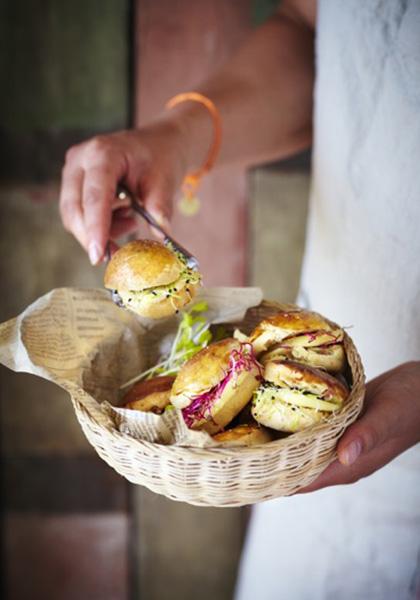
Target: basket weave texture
x=227, y=476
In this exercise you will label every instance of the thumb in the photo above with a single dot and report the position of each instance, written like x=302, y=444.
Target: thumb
x=377, y=425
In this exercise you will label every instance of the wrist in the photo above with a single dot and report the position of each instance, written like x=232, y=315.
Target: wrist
x=167, y=143
x=194, y=133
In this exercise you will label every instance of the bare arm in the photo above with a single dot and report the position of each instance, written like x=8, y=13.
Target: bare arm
x=264, y=95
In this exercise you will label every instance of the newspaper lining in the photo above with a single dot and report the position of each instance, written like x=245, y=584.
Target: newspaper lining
x=80, y=340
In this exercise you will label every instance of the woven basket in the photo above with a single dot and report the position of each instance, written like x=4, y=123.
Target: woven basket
x=227, y=476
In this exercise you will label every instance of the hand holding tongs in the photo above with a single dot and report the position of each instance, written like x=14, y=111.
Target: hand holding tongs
x=122, y=194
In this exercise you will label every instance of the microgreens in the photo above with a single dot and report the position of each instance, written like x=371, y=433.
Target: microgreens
x=193, y=335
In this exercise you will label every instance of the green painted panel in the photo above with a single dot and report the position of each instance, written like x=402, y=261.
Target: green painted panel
x=263, y=9
x=63, y=64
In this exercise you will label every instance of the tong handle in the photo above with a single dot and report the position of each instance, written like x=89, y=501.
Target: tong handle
x=147, y=217
x=123, y=193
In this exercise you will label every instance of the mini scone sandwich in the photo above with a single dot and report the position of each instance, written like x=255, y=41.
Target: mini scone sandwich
x=152, y=395
x=303, y=336
x=244, y=435
x=294, y=396
x=215, y=385
x=150, y=279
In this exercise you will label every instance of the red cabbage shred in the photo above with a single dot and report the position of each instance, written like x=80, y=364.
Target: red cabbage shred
x=240, y=360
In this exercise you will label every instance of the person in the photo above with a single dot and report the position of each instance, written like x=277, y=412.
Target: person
x=361, y=266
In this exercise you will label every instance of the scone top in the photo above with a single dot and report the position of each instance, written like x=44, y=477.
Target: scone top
x=289, y=323
x=142, y=264
x=203, y=371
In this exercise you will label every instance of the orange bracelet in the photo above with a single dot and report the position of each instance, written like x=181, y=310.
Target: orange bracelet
x=189, y=203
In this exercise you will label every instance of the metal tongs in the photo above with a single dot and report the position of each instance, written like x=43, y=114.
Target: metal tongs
x=123, y=194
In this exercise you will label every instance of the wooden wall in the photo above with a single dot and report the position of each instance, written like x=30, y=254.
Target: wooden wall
x=64, y=76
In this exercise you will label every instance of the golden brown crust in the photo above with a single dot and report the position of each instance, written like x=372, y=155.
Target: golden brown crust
x=155, y=403
x=294, y=321
x=203, y=371
x=302, y=377
x=244, y=435
x=150, y=386
x=286, y=324
x=152, y=395
x=142, y=264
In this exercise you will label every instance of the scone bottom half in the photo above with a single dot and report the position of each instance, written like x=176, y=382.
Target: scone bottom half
x=294, y=396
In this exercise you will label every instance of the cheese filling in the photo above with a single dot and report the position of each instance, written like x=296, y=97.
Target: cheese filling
x=272, y=393
x=137, y=298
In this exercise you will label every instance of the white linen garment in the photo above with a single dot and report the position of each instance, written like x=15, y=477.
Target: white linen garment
x=361, y=269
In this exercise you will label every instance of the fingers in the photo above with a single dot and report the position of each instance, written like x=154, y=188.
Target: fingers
x=90, y=177
x=70, y=203
x=389, y=426
x=333, y=475
x=338, y=474
x=89, y=181
x=391, y=412
x=84, y=211
x=98, y=195
x=381, y=421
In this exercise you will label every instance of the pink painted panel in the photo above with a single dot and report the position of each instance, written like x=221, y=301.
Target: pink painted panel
x=66, y=557
x=177, y=45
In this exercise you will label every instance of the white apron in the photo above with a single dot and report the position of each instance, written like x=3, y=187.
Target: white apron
x=361, y=269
